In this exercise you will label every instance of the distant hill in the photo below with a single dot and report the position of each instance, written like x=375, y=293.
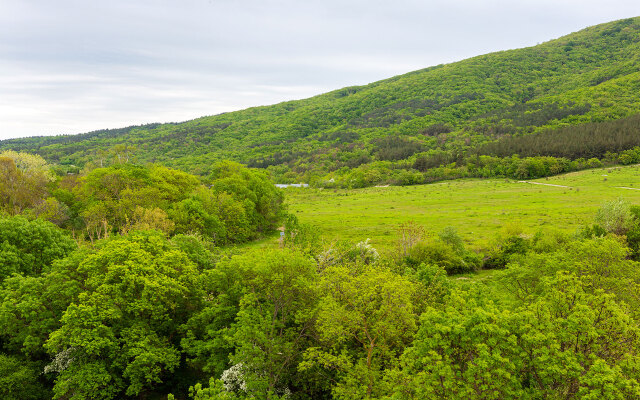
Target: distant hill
x=446, y=112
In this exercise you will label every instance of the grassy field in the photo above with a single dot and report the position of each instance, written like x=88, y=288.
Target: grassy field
x=478, y=209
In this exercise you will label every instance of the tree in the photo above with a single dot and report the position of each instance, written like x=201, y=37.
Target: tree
x=410, y=234
x=569, y=343
x=23, y=181
x=366, y=318
x=19, y=380
x=466, y=351
x=615, y=216
x=600, y=263
x=190, y=216
x=30, y=247
x=31, y=307
x=121, y=335
x=116, y=198
x=257, y=322
x=274, y=321
x=263, y=201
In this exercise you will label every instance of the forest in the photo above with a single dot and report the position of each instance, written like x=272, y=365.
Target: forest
x=133, y=281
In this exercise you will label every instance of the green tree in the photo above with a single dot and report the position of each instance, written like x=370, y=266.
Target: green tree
x=263, y=201
x=569, y=343
x=125, y=196
x=190, y=216
x=19, y=380
x=453, y=259
x=600, y=263
x=215, y=391
x=274, y=320
x=615, y=216
x=23, y=181
x=466, y=351
x=366, y=318
x=30, y=247
x=257, y=321
x=31, y=307
x=121, y=335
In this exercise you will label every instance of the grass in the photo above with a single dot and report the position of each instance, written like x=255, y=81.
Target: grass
x=477, y=209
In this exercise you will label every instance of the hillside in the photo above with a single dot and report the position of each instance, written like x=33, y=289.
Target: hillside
x=437, y=115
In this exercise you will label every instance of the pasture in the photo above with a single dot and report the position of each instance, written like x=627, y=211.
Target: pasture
x=476, y=208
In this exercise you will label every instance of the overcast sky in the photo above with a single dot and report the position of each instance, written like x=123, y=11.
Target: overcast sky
x=73, y=66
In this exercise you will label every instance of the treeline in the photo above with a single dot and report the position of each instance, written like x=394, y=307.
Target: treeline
x=232, y=204
x=148, y=315
x=530, y=156
x=432, y=168
x=591, y=140
x=533, y=114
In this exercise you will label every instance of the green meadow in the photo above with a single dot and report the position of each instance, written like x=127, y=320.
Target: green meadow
x=476, y=208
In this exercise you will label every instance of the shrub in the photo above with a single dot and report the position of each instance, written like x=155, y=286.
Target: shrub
x=440, y=253
x=615, y=216
x=501, y=255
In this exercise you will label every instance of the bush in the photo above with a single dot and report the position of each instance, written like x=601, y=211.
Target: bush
x=440, y=253
x=615, y=216
x=500, y=257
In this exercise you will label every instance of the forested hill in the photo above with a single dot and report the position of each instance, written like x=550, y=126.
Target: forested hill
x=414, y=122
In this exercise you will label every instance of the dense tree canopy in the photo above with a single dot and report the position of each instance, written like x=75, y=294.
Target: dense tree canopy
x=145, y=313
x=120, y=335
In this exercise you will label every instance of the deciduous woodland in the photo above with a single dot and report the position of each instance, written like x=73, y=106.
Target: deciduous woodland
x=147, y=263
x=133, y=281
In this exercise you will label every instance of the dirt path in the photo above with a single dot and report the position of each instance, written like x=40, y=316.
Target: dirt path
x=562, y=186
x=544, y=184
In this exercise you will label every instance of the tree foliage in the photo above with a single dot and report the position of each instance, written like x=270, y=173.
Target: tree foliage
x=118, y=336
x=365, y=319
x=30, y=247
x=23, y=181
x=143, y=314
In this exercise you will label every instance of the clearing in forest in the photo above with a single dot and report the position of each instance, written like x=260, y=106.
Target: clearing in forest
x=476, y=208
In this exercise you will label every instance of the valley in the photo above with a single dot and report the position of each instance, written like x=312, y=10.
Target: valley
x=477, y=209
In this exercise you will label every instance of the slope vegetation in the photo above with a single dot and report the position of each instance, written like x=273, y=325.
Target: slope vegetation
x=446, y=111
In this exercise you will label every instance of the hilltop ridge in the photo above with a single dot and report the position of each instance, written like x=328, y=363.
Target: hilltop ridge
x=448, y=111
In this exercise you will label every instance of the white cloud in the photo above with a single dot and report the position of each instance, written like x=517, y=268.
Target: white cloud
x=73, y=66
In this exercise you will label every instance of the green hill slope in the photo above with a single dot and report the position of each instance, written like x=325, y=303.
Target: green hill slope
x=586, y=77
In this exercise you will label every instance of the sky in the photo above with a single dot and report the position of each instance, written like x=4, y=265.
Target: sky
x=74, y=66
